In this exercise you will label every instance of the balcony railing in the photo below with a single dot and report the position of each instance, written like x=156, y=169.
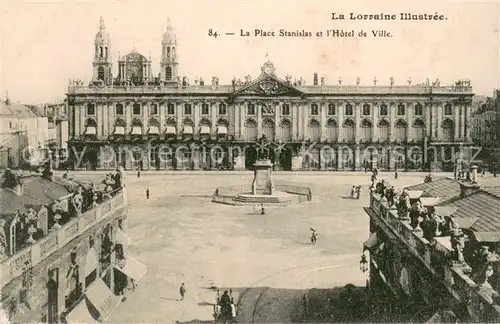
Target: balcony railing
x=432, y=255
x=13, y=266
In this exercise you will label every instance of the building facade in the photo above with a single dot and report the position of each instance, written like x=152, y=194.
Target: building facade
x=486, y=128
x=433, y=253
x=21, y=132
x=173, y=124
x=59, y=255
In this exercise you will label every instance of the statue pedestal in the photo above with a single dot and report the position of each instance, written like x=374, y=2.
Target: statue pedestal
x=262, y=180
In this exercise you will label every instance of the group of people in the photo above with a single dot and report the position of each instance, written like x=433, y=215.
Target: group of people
x=355, y=192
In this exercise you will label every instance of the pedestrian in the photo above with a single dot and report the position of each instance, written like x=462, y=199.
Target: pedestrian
x=395, y=174
x=138, y=172
x=147, y=193
x=182, y=291
x=262, y=212
x=314, y=236
x=353, y=191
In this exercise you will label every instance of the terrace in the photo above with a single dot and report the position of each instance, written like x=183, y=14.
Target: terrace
x=444, y=241
x=36, y=229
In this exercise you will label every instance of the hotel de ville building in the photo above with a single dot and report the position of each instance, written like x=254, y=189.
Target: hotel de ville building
x=129, y=116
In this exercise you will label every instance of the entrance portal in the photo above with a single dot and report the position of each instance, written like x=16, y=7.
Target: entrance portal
x=250, y=158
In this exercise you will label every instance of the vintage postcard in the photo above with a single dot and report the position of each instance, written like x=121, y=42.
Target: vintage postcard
x=249, y=161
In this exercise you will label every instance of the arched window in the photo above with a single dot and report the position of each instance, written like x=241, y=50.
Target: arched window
x=401, y=130
x=168, y=52
x=250, y=130
x=101, y=54
x=100, y=73
x=348, y=129
x=314, y=130
x=383, y=129
x=332, y=128
x=168, y=73
x=106, y=51
x=418, y=130
x=268, y=129
x=286, y=130
x=366, y=131
x=447, y=129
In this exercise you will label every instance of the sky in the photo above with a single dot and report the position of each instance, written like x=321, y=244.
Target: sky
x=46, y=43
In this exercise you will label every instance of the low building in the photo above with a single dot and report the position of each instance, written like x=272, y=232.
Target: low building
x=23, y=136
x=434, y=252
x=61, y=245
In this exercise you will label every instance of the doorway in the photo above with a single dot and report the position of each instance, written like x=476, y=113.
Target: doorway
x=52, y=289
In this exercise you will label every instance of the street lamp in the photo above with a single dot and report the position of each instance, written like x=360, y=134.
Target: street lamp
x=363, y=264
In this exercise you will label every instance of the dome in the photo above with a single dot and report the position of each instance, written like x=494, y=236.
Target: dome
x=169, y=35
x=102, y=35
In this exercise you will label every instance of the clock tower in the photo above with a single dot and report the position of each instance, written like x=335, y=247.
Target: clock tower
x=102, y=55
x=169, y=57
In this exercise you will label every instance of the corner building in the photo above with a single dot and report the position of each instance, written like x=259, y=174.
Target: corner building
x=136, y=119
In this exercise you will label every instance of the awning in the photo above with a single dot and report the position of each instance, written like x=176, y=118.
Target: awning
x=80, y=314
x=221, y=130
x=487, y=237
x=204, y=130
x=371, y=242
x=170, y=130
x=415, y=194
x=90, y=130
x=136, y=130
x=103, y=299
x=90, y=261
x=119, y=130
x=464, y=222
x=153, y=130
x=444, y=241
x=429, y=201
x=188, y=130
x=133, y=268
x=445, y=211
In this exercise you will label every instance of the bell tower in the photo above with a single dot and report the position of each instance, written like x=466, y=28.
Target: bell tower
x=102, y=55
x=169, y=57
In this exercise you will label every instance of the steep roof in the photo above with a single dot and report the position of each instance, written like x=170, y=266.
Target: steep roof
x=444, y=188
x=15, y=110
x=37, y=191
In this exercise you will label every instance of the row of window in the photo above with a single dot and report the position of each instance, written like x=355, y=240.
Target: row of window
x=251, y=109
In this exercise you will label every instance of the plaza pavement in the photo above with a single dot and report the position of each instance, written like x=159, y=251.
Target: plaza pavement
x=192, y=240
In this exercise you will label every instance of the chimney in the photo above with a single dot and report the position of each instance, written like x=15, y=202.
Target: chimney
x=468, y=188
x=474, y=174
x=315, y=79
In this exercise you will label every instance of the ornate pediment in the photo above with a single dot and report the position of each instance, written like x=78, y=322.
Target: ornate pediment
x=268, y=86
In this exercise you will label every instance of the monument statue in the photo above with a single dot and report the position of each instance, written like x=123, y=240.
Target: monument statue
x=263, y=150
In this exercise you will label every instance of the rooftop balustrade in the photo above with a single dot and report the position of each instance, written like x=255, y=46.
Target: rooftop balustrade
x=441, y=259
x=33, y=254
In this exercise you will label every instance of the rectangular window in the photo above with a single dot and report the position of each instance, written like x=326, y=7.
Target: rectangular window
x=366, y=110
x=447, y=110
x=153, y=109
x=222, y=109
x=170, y=109
x=90, y=110
x=331, y=109
x=136, y=109
x=285, y=110
x=119, y=110
x=401, y=110
x=204, y=109
x=418, y=110
x=314, y=110
x=383, y=110
x=251, y=109
x=348, y=110
x=187, y=109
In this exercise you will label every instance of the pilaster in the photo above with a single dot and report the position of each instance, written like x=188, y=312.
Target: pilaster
x=162, y=113
x=409, y=121
x=457, y=121
x=277, y=133
x=392, y=116
x=322, y=121
x=178, y=116
x=259, y=120
x=76, y=127
x=196, y=117
x=295, y=118
x=128, y=116
x=374, y=113
x=340, y=160
x=340, y=112
x=357, y=118
x=427, y=116
x=305, y=118
x=437, y=120
x=83, y=115
x=236, y=118
x=144, y=116
x=213, y=118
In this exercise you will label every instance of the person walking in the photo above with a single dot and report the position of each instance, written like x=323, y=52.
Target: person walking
x=314, y=236
x=182, y=291
x=262, y=212
x=138, y=172
x=395, y=174
x=147, y=193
